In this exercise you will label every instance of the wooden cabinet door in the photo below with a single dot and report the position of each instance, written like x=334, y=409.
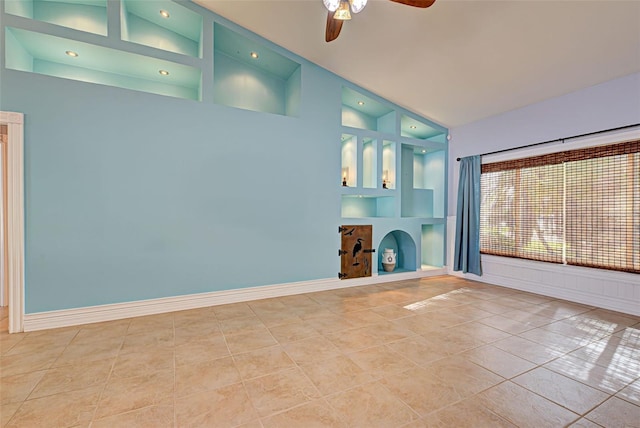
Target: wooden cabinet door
x=355, y=251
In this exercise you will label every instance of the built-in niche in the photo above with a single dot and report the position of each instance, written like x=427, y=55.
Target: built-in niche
x=162, y=24
x=363, y=112
x=84, y=15
x=71, y=59
x=404, y=247
x=251, y=76
x=432, y=246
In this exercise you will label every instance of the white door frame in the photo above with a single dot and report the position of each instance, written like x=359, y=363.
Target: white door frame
x=15, y=218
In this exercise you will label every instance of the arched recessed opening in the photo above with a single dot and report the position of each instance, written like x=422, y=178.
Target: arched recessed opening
x=405, y=249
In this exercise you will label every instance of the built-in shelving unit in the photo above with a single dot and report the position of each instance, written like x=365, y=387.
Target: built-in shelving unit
x=158, y=46
x=394, y=168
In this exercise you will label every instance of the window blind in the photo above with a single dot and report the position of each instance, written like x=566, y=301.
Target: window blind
x=579, y=207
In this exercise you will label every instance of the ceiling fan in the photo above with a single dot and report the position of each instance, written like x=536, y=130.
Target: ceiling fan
x=340, y=11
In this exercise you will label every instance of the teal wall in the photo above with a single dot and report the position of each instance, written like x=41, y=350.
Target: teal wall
x=134, y=196
x=131, y=195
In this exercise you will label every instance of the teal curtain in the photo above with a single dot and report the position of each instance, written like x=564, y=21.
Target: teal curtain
x=467, y=251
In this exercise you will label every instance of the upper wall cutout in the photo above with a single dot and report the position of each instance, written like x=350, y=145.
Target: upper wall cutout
x=162, y=24
x=251, y=76
x=360, y=111
x=83, y=15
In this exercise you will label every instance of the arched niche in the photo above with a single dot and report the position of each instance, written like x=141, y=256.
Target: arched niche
x=405, y=248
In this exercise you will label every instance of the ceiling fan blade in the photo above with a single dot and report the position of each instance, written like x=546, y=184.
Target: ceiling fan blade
x=333, y=27
x=416, y=3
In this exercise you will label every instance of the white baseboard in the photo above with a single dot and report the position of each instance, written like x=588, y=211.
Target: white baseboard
x=115, y=311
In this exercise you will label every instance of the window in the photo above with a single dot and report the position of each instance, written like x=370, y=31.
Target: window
x=578, y=207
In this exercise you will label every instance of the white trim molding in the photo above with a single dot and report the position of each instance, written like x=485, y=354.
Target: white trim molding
x=15, y=218
x=115, y=311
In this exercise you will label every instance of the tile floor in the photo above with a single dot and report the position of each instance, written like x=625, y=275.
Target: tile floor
x=437, y=352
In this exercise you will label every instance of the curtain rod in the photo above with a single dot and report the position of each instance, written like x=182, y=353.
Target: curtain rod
x=559, y=139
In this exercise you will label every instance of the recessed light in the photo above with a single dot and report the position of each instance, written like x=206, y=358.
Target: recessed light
x=413, y=127
x=254, y=55
x=164, y=13
x=424, y=151
x=72, y=53
x=163, y=72
x=360, y=103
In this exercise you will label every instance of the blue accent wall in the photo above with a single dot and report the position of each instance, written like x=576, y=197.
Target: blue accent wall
x=131, y=195
x=134, y=196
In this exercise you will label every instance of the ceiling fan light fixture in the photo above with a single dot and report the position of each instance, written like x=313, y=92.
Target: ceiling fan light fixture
x=357, y=5
x=343, y=13
x=331, y=5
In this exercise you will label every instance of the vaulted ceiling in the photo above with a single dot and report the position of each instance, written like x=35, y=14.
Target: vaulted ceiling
x=458, y=61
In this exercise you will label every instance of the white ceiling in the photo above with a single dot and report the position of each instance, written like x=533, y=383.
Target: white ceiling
x=458, y=61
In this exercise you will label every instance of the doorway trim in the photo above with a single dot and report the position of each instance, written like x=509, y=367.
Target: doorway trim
x=15, y=218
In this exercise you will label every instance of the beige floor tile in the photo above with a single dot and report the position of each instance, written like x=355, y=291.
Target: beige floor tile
x=584, y=423
x=616, y=413
x=250, y=341
x=17, y=388
x=7, y=411
x=336, y=374
x=206, y=375
x=611, y=351
x=531, y=351
x=553, y=340
x=224, y=407
x=607, y=379
x=327, y=324
x=422, y=390
x=392, y=312
x=263, y=362
x=363, y=318
x=580, y=328
x=371, y=406
x=466, y=414
x=60, y=410
x=73, y=377
x=467, y=377
x=631, y=393
x=380, y=361
x=560, y=309
x=196, y=332
x=29, y=362
x=505, y=324
x=312, y=349
x=101, y=332
x=419, y=350
x=492, y=307
x=569, y=393
x=210, y=348
x=233, y=310
x=419, y=324
x=387, y=332
x=148, y=417
x=8, y=341
x=42, y=343
x=125, y=394
x=160, y=338
x=241, y=325
x=143, y=362
x=274, y=319
x=524, y=408
x=455, y=339
x=498, y=361
x=353, y=340
x=316, y=414
x=82, y=352
x=293, y=332
x=425, y=339
x=280, y=391
x=150, y=323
